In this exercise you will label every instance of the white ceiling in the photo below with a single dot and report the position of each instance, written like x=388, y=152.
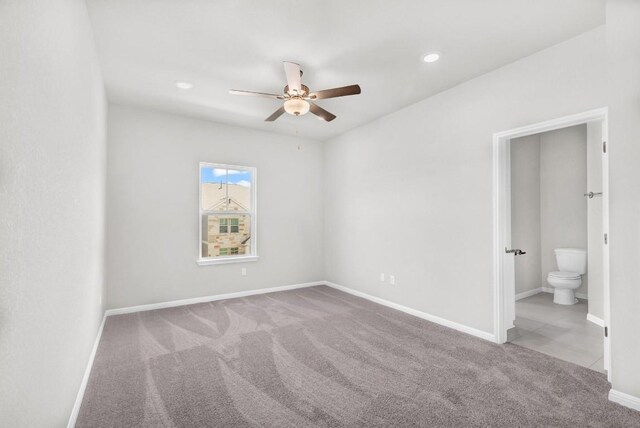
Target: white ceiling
x=146, y=45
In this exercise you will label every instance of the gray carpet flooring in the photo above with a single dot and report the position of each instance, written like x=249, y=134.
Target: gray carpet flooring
x=319, y=357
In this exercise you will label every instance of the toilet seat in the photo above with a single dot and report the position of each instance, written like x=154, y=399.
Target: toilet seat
x=564, y=275
x=564, y=283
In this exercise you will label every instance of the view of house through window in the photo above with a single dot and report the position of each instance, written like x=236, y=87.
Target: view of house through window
x=226, y=210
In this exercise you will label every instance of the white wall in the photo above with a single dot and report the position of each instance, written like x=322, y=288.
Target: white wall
x=439, y=245
x=623, y=92
x=563, y=207
x=52, y=180
x=594, y=219
x=152, y=207
x=525, y=211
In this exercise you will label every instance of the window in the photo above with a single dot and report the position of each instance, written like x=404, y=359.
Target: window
x=227, y=213
x=226, y=223
x=229, y=251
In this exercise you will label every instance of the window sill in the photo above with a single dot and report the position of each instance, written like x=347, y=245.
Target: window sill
x=241, y=259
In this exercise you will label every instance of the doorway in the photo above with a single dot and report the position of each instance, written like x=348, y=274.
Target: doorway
x=505, y=254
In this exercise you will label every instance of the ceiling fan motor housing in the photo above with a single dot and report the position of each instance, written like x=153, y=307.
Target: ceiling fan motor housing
x=303, y=93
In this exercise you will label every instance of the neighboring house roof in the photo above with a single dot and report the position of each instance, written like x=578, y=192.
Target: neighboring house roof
x=214, y=197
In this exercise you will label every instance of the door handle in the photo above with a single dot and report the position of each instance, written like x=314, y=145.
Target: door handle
x=515, y=251
x=590, y=195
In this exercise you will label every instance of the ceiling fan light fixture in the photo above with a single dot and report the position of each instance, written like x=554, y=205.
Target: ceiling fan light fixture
x=296, y=106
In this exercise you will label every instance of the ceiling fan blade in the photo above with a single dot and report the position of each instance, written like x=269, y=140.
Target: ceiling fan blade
x=292, y=70
x=335, y=92
x=320, y=112
x=255, y=94
x=276, y=114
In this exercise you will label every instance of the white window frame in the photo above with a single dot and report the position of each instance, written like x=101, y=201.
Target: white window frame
x=253, y=213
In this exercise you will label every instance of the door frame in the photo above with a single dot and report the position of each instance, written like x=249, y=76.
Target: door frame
x=502, y=213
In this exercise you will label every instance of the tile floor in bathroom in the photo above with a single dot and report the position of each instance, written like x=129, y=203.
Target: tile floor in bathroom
x=559, y=331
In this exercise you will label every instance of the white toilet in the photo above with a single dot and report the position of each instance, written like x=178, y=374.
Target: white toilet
x=572, y=264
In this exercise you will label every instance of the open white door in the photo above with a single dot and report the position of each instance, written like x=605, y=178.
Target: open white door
x=509, y=264
x=605, y=249
x=596, y=205
x=505, y=299
x=595, y=225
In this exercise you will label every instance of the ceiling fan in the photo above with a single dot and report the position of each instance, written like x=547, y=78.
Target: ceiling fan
x=298, y=100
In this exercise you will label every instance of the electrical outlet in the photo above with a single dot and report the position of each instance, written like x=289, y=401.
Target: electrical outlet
x=381, y=277
x=244, y=272
x=392, y=279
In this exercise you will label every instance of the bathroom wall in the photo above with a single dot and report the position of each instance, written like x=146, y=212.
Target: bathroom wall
x=525, y=211
x=563, y=208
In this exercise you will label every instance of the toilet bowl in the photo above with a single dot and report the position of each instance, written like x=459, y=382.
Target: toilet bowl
x=572, y=264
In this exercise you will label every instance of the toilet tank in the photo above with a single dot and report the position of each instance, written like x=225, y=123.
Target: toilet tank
x=571, y=260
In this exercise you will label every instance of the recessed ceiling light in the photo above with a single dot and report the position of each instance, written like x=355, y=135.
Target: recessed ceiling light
x=183, y=85
x=431, y=57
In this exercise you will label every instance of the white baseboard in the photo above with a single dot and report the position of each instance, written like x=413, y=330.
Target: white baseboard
x=529, y=293
x=435, y=319
x=85, y=379
x=583, y=296
x=595, y=320
x=626, y=400
x=173, y=303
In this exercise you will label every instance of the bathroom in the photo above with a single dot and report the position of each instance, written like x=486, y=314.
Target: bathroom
x=557, y=223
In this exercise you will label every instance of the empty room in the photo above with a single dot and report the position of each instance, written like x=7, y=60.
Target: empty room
x=279, y=213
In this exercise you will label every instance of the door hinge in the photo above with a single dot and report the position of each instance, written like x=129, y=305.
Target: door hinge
x=606, y=331
x=606, y=238
x=604, y=147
